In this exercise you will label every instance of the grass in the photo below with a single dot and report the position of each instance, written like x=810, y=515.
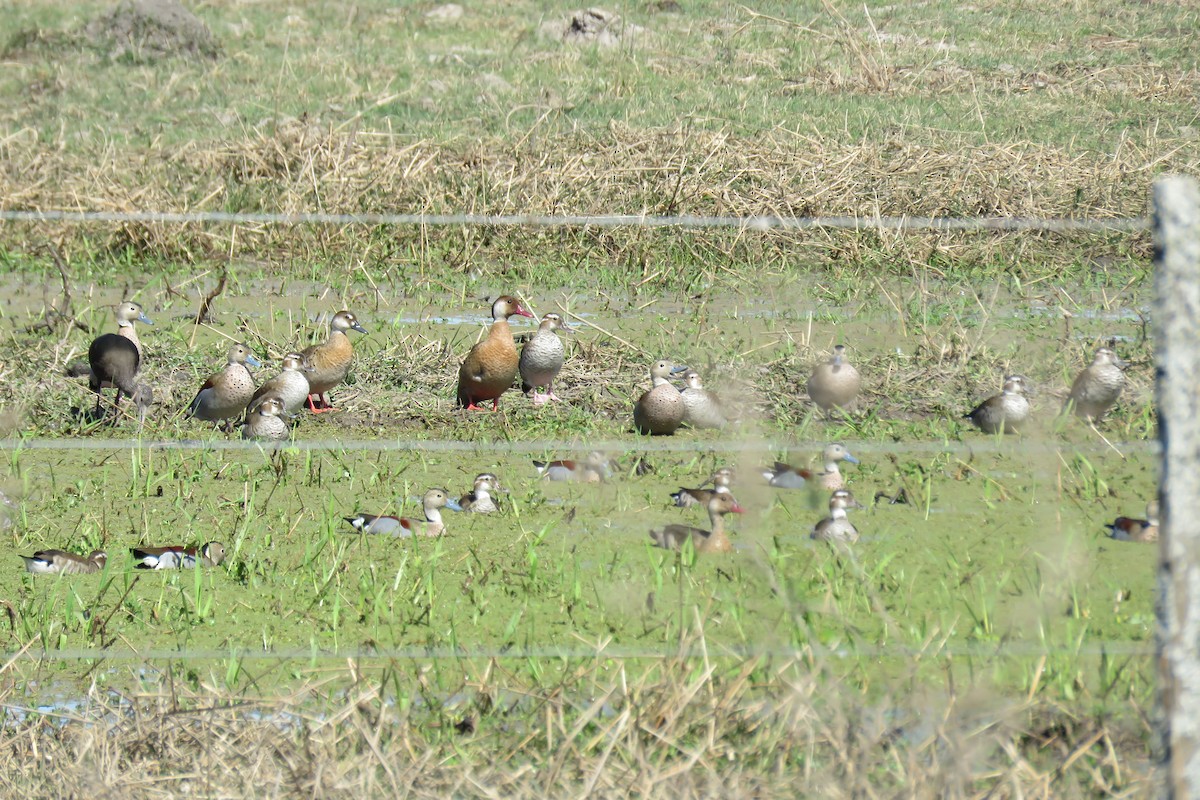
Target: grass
x=982, y=638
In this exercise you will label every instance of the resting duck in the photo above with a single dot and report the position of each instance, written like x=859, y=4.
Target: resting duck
x=659, y=412
x=479, y=500
x=836, y=383
x=836, y=527
x=1126, y=529
x=114, y=359
x=290, y=386
x=59, y=562
x=1097, y=387
x=491, y=366
x=784, y=476
x=715, y=541
x=595, y=468
x=702, y=409
x=542, y=359
x=432, y=503
x=328, y=363
x=225, y=394
x=1004, y=412
x=267, y=421
x=721, y=479
x=178, y=557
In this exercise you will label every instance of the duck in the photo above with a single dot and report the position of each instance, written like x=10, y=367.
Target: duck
x=594, y=468
x=702, y=409
x=491, y=366
x=836, y=527
x=785, y=476
x=715, y=540
x=1097, y=387
x=721, y=480
x=178, y=556
x=1004, y=412
x=479, y=500
x=836, y=383
x=225, y=394
x=115, y=359
x=432, y=503
x=1127, y=529
x=60, y=562
x=290, y=386
x=659, y=412
x=267, y=421
x=542, y=359
x=328, y=363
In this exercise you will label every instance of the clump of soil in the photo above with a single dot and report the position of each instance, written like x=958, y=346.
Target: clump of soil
x=592, y=26
x=148, y=30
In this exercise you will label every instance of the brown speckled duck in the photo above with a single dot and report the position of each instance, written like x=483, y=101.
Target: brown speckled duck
x=266, y=422
x=1097, y=387
x=489, y=369
x=290, y=386
x=660, y=411
x=59, y=562
x=225, y=394
x=714, y=541
x=329, y=362
x=835, y=384
x=1006, y=411
x=542, y=359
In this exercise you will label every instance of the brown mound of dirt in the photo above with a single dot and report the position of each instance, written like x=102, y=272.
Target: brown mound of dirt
x=148, y=30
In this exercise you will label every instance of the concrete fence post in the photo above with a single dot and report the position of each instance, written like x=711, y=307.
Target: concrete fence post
x=1176, y=202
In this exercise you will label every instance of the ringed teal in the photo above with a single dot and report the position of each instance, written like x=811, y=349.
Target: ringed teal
x=836, y=527
x=328, y=363
x=114, y=359
x=715, y=540
x=836, y=383
x=479, y=500
x=542, y=359
x=659, y=412
x=225, y=394
x=432, y=503
x=1097, y=387
x=1126, y=529
x=595, y=468
x=59, y=562
x=267, y=421
x=290, y=386
x=721, y=479
x=491, y=366
x=178, y=556
x=702, y=408
x=785, y=476
x=1006, y=411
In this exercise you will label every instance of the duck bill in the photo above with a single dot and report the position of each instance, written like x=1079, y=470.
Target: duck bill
x=454, y=505
x=850, y=458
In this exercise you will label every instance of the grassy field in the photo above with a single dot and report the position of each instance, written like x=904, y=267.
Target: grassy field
x=983, y=638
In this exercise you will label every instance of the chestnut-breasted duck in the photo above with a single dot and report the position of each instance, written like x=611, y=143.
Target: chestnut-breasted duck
x=328, y=363
x=491, y=366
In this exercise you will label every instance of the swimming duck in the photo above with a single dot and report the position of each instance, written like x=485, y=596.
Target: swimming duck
x=114, y=359
x=225, y=394
x=660, y=411
x=290, y=386
x=595, y=468
x=715, y=541
x=702, y=409
x=721, y=479
x=1126, y=529
x=1005, y=411
x=784, y=476
x=59, y=562
x=178, y=556
x=328, y=363
x=1097, y=387
x=432, y=503
x=479, y=500
x=836, y=527
x=836, y=383
x=542, y=358
x=267, y=421
x=489, y=369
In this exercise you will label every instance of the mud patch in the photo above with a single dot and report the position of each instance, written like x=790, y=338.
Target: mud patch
x=150, y=30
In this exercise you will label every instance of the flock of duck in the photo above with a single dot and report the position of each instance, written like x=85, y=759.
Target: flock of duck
x=490, y=369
